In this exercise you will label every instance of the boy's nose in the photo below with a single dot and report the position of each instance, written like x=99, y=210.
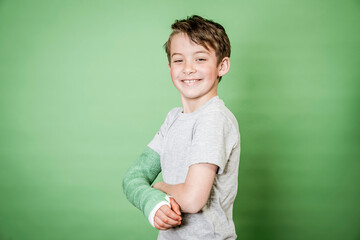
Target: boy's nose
x=188, y=68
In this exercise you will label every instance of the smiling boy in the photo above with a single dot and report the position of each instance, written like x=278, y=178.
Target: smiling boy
x=197, y=148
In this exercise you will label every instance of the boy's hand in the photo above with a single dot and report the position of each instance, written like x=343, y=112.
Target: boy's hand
x=174, y=205
x=166, y=218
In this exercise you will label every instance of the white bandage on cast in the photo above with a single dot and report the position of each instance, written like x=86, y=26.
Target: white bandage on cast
x=156, y=208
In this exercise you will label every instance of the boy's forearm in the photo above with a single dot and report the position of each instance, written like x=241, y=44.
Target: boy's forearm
x=138, y=179
x=193, y=194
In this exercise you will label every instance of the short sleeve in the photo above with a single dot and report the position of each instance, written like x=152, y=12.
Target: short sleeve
x=157, y=142
x=214, y=137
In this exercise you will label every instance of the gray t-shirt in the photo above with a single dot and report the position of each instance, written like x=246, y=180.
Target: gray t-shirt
x=208, y=135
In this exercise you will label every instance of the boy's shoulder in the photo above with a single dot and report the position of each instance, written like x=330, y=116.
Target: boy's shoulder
x=219, y=109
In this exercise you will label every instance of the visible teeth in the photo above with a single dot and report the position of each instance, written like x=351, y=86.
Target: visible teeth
x=189, y=81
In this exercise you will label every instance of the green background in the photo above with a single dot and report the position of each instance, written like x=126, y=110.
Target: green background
x=84, y=86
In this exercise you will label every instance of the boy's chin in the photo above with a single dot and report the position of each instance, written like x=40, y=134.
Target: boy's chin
x=194, y=96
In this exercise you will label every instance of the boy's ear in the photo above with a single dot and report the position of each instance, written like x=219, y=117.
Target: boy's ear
x=224, y=66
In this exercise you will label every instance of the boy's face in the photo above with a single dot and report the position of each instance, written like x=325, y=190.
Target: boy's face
x=193, y=69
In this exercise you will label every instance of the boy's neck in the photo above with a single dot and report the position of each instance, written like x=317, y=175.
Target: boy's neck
x=191, y=105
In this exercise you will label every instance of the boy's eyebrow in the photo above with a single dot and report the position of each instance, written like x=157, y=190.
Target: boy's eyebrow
x=175, y=54
x=201, y=51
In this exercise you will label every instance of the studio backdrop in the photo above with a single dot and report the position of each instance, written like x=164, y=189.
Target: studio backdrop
x=84, y=87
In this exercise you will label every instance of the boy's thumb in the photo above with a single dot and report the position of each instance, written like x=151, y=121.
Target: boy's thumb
x=175, y=206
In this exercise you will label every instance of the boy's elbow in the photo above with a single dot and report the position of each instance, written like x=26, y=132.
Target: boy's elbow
x=193, y=204
x=193, y=209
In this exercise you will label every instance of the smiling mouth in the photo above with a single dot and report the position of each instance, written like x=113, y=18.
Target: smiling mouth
x=190, y=80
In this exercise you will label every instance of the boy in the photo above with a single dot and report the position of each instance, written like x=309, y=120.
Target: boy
x=197, y=148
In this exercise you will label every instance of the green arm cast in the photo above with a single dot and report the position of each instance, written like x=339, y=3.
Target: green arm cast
x=138, y=179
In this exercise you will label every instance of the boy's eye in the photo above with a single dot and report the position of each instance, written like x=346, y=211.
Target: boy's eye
x=177, y=61
x=201, y=59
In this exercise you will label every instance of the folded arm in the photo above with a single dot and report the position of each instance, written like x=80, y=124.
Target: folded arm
x=193, y=194
x=137, y=185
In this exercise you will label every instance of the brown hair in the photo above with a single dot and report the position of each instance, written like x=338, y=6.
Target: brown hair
x=203, y=32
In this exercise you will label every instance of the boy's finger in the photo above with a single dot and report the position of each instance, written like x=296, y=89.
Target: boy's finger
x=175, y=206
x=171, y=214
x=159, y=224
x=167, y=215
x=164, y=222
